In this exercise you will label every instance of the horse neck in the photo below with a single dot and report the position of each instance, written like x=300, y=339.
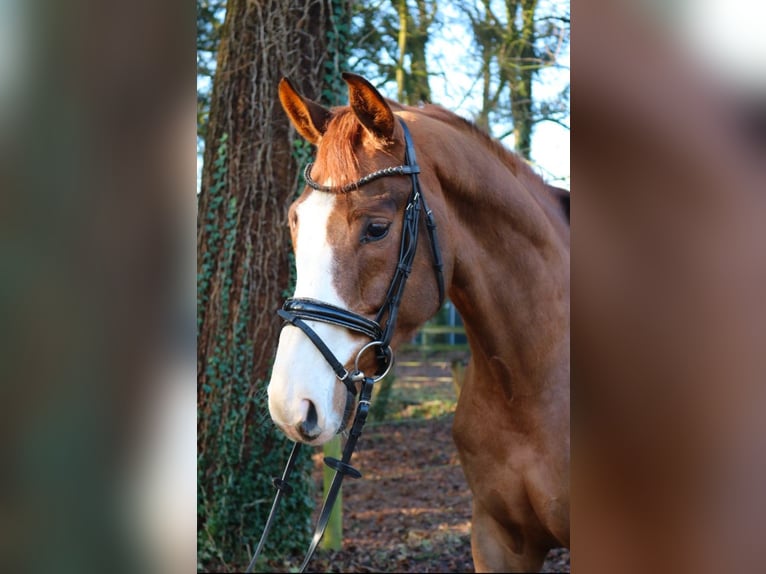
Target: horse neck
x=510, y=277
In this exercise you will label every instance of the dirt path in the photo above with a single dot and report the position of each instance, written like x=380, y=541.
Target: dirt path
x=411, y=511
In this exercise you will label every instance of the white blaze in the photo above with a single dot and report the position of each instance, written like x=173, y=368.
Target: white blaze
x=300, y=371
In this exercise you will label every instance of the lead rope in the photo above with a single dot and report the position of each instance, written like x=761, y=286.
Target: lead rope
x=282, y=487
x=342, y=469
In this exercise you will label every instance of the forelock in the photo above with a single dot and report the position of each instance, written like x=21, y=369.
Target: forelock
x=336, y=153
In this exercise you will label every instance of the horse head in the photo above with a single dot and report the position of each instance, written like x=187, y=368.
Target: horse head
x=352, y=235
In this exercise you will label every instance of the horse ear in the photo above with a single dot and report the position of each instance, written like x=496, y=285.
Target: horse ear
x=369, y=106
x=309, y=118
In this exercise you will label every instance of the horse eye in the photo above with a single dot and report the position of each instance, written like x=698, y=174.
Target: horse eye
x=375, y=230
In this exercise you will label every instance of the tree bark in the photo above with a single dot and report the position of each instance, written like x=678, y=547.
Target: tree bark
x=403, y=14
x=521, y=24
x=412, y=39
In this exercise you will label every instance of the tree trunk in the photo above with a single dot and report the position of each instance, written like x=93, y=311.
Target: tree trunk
x=249, y=178
x=521, y=87
x=402, y=43
x=420, y=90
x=510, y=44
x=412, y=38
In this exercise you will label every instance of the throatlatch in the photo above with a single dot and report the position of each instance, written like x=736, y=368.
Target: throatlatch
x=297, y=311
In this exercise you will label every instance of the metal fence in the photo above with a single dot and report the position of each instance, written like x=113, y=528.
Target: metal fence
x=444, y=332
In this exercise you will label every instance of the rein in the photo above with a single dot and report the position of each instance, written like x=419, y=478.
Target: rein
x=297, y=311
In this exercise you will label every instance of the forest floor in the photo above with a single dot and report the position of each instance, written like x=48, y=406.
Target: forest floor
x=411, y=511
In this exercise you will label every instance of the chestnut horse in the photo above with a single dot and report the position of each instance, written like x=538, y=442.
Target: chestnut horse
x=504, y=241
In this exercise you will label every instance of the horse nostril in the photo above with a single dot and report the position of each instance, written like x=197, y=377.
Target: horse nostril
x=311, y=415
x=308, y=428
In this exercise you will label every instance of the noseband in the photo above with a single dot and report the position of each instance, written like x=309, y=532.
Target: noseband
x=297, y=311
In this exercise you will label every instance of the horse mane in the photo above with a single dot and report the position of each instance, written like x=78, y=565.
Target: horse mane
x=514, y=161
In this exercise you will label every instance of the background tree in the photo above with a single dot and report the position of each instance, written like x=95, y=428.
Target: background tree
x=516, y=40
x=414, y=24
x=509, y=47
x=250, y=173
x=390, y=40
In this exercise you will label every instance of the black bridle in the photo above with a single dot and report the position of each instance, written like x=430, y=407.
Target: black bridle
x=297, y=311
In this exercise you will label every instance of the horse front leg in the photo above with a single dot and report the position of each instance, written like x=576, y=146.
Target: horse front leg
x=499, y=548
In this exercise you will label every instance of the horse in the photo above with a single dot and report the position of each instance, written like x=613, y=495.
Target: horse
x=502, y=254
